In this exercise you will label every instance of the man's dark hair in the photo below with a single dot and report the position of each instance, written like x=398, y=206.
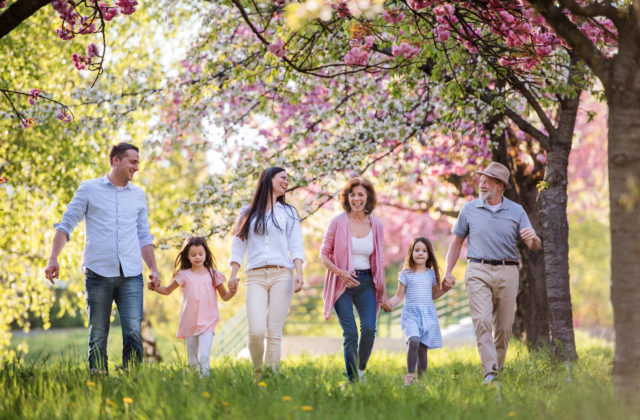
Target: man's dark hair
x=119, y=151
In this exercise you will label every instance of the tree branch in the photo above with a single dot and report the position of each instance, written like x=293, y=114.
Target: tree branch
x=582, y=46
x=595, y=9
x=17, y=13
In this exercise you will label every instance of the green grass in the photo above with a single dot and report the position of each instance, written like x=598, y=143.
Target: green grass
x=533, y=386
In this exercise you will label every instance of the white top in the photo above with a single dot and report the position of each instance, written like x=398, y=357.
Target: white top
x=278, y=246
x=362, y=250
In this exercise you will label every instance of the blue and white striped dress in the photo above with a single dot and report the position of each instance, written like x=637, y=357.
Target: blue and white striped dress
x=419, y=317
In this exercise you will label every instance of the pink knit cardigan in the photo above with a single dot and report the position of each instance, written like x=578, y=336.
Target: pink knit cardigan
x=337, y=246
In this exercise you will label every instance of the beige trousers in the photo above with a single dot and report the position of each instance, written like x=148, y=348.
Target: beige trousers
x=492, y=293
x=268, y=297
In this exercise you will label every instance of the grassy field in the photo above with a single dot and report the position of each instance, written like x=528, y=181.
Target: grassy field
x=533, y=386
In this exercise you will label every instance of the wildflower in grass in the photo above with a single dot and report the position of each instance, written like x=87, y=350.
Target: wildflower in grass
x=127, y=400
x=206, y=394
x=90, y=384
x=225, y=404
x=512, y=413
x=186, y=383
x=110, y=403
x=307, y=408
x=262, y=384
x=286, y=398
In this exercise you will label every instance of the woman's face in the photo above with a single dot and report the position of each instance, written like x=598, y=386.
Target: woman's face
x=279, y=184
x=358, y=198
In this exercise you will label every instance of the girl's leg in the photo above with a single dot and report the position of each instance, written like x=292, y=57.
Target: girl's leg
x=204, y=349
x=422, y=360
x=280, y=295
x=192, y=351
x=257, y=299
x=412, y=354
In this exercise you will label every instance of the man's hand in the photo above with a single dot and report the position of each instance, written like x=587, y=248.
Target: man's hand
x=52, y=271
x=154, y=278
x=387, y=306
x=528, y=234
x=449, y=279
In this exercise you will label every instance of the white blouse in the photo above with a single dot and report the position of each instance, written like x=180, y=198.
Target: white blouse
x=278, y=246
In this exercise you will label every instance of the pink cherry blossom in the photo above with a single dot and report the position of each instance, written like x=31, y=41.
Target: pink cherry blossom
x=108, y=13
x=92, y=51
x=441, y=32
x=80, y=61
x=65, y=34
x=405, y=49
x=3, y=4
x=419, y=4
x=127, y=7
x=392, y=16
x=63, y=115
x=277, y=48
x=34, y=94
x=356, y=57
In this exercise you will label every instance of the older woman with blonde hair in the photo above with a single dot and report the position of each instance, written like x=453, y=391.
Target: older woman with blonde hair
x=352, y=252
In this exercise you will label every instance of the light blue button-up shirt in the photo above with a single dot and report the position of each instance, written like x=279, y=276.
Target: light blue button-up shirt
x=116, y=226
x=278, y=246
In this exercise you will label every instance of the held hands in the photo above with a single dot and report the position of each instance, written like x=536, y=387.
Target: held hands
x=349, y=278
x=387, y=306
x=52, y=271
x=449, y=281
x=233, y=286
x=154, y=282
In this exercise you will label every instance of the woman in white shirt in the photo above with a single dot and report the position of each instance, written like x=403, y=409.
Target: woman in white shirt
x=268, y=231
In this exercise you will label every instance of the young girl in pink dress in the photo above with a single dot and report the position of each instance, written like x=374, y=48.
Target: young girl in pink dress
x=195, y=272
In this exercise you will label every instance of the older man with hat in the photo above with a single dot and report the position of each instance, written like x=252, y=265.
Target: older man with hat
x=492, y=224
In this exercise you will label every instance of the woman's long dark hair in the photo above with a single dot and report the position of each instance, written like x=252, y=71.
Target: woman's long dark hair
x=432, y=262
x=182, y=260
x=258, y=208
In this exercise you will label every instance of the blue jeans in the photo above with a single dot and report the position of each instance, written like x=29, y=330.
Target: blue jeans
x=363, y=297
x=127, y=293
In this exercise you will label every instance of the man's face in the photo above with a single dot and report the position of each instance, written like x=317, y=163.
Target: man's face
x=128, y=165
x=490, y=188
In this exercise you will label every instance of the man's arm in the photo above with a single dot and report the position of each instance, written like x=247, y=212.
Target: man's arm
x=52, y=271
x=150, y=259
x=452, y=258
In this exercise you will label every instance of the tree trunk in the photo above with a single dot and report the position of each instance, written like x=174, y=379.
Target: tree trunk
x=552, y=208
x=623, y=95
x=532, y=316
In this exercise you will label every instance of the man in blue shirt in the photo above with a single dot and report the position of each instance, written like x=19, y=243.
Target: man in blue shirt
x=117, y=240
x=492, y=223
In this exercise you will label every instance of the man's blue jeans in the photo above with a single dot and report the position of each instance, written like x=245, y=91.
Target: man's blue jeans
x=363, y=297
x=127, y=293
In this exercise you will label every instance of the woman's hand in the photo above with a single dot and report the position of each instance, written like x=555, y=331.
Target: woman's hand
x=298, y=283
x=350, y=279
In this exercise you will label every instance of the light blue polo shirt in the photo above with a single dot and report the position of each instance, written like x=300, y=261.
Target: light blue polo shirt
x=492, y=236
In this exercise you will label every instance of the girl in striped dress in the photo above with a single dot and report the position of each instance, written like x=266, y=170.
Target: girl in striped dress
x=419, y=284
